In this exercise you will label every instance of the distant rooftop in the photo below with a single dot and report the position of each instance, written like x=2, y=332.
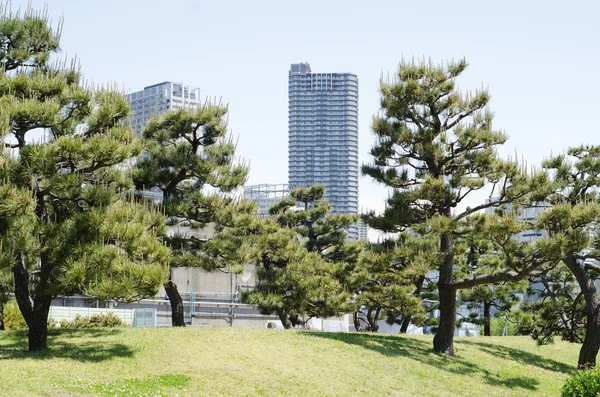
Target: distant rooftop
x=300, y=68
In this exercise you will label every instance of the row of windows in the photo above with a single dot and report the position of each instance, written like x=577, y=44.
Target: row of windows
x=326, y=180
x=341, y=143
x=298, y=160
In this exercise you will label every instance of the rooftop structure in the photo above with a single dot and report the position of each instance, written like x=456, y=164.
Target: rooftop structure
x=156, y=99
x=265, y=195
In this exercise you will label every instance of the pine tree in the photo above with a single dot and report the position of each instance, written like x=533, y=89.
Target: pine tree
x=434, y=147
x=385, y=283
x=556, y=308
x=291, y=282
x=481, y=253
x=572, y=220
x=320, y=230
x=64, y=225
x=191, y=160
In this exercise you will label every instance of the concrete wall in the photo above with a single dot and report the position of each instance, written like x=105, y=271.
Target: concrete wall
x=217, y=284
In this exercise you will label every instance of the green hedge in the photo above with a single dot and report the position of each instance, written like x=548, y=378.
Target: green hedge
x=108, y=320
x=582, y=384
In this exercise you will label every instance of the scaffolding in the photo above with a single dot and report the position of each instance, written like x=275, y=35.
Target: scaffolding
x=266, y=190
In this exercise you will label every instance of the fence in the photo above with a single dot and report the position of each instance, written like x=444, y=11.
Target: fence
x=59, y=313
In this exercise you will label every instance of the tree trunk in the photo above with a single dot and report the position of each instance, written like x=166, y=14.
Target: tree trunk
x=591, y=343
x=285, y=321
x=34, y=312
x=177, y=309
x=406, y=320
x=372, y=319
x=1, y=315
x=486, y=318
x=294, y=319
x=356, y=321
x=38, y=325
x=443, y=340
x=404, y=325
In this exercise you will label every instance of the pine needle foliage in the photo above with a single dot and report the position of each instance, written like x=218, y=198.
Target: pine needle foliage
x=190, y=158
x=435, y=146
x=64, y=225
x=572, y=222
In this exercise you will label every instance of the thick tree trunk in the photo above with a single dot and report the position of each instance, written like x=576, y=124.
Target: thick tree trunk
x=34, y=312
x=486, y=318
x=356, y=321
x=285, y=321
x=591, y=343
x=1, y=315
x=443, y=340
x=177, y=309
x=404, y=325
x=372, y=319
x=38, y=325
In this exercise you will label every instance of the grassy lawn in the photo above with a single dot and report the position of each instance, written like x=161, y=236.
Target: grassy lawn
x=229, y=362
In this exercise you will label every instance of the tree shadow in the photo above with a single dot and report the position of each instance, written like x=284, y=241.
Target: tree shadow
x=525, y=357
x=420, y=351
x=13, y=345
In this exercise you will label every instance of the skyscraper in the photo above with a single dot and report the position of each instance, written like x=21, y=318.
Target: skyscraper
x=159, y=98
x=323, y=135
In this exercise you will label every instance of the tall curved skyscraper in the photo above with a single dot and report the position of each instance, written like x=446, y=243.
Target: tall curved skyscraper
x=323, y=135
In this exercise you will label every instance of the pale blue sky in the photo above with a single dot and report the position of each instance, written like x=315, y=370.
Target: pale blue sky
x=539, y=59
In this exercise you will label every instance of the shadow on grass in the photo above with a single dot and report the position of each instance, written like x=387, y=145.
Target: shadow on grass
x=524, y=357
x=64, y=344
x=420, y=351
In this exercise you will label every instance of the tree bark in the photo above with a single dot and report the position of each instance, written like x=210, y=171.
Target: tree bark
x=372, y=319
x=356, y=321
x=404, y=325
x=285, y=321
x=443, y=340
x=486, y=318
x=177, y=309
x=591, y=343
x=1, y=315
x=35, y=312
x=38, y=325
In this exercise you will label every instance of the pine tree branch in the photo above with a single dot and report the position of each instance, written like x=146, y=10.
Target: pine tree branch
x=592, y=266
x=496, y=278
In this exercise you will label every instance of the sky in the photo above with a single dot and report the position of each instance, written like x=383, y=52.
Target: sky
x=539, y=59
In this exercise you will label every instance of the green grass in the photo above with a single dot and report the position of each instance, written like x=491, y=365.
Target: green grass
x=229, y=362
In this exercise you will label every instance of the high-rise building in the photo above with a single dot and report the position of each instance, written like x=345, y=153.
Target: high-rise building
x=323, y=135
x=265, y=195
x=363, y=230
x=159, y=98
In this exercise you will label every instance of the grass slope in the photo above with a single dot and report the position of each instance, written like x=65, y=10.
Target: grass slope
x=229, y=362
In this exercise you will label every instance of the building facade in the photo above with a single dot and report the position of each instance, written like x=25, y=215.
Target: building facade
x=265, y=195
x=363, y=230
x=159, y=98
x=323, y=135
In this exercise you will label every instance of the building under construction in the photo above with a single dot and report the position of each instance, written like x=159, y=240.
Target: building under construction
x=265, y=195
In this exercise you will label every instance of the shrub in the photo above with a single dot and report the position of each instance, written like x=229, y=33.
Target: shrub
x=104, y=320
x=582, y=384
x=13, y=319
